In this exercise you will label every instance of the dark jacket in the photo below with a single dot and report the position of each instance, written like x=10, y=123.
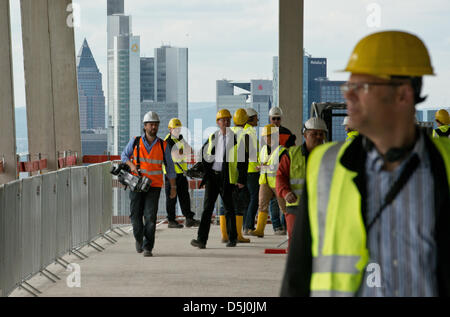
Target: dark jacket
x=241, y=166
x=297, y=276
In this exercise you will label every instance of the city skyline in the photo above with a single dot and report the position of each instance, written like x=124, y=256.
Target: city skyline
x=213, y=50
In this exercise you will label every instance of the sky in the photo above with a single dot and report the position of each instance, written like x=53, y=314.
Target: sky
x=237, y=39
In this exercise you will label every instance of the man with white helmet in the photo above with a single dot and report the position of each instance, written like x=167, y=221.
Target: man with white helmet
x=145, y=155
x=287, y=139
x=292, y=169
x=180, y=151
x=351, y=133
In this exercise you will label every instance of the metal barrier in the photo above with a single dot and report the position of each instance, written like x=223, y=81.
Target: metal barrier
x=44, y=217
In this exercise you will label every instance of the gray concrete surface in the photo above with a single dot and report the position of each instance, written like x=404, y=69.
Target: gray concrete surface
x=176, y=269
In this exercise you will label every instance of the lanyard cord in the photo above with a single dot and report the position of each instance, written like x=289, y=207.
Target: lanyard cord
x=409, y=169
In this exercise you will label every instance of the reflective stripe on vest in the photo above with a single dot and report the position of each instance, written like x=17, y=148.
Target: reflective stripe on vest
x=337, y=229
x=269, y=170
x=231, y=158
x=182, y=166
x=151, y=163
x=297, y=173
x=351, y=135
x=253, y=149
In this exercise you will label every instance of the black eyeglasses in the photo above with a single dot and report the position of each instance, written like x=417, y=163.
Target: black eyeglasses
x=355, y=87
x=276, y=118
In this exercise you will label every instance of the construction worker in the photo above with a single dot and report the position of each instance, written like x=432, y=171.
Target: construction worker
x=287, y=139
x=292, y=169
x=224, y=170
x=241, y=196
x=270, y=156
x=351, y=133
x=443, y=120
x=180, y=151
x=374, y=219
x=145, y=155
x=253, y=170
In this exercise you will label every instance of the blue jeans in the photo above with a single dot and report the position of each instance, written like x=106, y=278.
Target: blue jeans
x=253, y=189
x=278, y=221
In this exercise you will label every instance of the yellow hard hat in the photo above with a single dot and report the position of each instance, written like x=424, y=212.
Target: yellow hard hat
x=442, y=116
x=269, y=129
x=240, y=117
x=390, y=53
x=174, y=123
x=223, y=113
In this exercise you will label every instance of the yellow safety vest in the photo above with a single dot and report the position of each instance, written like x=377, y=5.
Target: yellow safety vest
x=351, y=135
x=181, y=167
x=231, y=158
x=444, y=129
x=337, y=229
x=297, y=172
x=253, y=150
x=270, y=167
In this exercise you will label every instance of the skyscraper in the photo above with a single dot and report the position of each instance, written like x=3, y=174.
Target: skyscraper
x=123, y=79
x=91, y=102
x=171, y=80
x=147, y=79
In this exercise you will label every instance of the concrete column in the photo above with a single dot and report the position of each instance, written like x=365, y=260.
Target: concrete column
x=51, y=79
x=7, y=120
x=291, y=64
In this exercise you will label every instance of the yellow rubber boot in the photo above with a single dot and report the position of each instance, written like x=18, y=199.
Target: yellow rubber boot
x=260, y=225
x=223, y=229
x=239, y=222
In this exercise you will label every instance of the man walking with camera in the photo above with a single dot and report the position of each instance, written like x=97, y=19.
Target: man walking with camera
x=145, y=155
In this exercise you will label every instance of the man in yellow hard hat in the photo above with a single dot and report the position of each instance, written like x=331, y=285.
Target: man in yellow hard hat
x=443, y=120
x=223, y=172
x=181, y=152
x=375, y=218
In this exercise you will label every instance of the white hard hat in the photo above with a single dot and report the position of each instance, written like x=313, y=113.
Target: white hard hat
x=251, y=112
x=151, y=117
x=346, y=119
x=275, y=112
x=315, y=124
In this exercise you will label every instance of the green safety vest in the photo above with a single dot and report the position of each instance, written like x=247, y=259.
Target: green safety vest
x=351, y=135
x=443, y=128
x=337, y=229
x=251, y=131
x=297, y=172
x=231, y=158
x=269, y=174
x=180, y=164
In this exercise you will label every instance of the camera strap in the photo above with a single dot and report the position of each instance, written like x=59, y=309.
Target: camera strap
x=136, y=144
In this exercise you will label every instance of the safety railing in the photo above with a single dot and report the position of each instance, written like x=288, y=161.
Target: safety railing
x=44, y=217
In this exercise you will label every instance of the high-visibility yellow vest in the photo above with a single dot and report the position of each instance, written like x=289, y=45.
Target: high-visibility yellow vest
x=270, y=165
x=231, y=159
x=351, y=135
x=180, y=163
x=337, y=229
x=444, y=129
x=297, y=172
x=253, y=148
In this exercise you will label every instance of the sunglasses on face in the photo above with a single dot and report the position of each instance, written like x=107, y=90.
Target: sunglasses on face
x=276, y=118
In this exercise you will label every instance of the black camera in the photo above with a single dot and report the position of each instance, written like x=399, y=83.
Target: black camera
x=136, y=183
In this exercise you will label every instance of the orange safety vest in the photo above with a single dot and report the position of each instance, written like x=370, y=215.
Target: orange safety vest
x=283, y=138
x=151, y=163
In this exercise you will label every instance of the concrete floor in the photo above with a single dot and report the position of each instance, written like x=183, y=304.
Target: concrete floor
x=176, y=269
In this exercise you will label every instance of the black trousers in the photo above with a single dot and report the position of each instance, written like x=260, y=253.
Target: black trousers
x=217, y=185
x=183, y=198
x=143, y=208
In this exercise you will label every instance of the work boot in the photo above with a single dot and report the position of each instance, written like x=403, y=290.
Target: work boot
x=139, y=247
x=174, y=224
x=239, y=221
x=147, y=253
x=280, y=232
x=231, y=244
x=191, y=222
x=260, y=225
x=223, y=228
x=198, y=244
